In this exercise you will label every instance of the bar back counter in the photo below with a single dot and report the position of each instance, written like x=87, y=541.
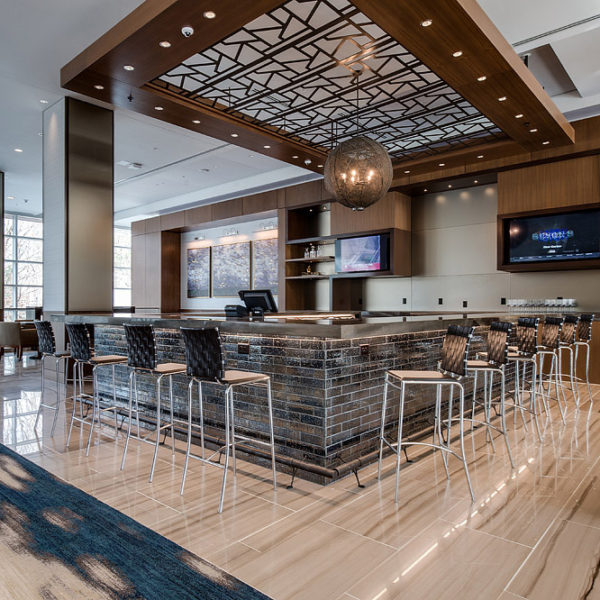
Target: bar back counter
x=327, y=378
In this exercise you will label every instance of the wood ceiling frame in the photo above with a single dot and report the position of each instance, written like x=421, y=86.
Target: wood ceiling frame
x=457, y=25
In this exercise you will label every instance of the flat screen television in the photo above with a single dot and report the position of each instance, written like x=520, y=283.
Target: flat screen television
x=363, y=253
x=566, y=236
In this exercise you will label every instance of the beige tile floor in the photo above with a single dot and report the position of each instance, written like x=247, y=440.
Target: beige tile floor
x=532, y=533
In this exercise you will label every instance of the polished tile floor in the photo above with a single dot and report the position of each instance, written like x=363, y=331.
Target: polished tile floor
x=533, y=532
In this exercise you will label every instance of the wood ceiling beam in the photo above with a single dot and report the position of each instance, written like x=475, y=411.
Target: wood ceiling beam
x=462, y=25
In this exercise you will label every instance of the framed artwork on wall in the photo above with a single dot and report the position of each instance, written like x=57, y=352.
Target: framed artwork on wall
x=265, y=265
x=198, y=273
x=230, y=269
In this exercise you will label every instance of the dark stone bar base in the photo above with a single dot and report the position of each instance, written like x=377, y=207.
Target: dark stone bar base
x=327, y=393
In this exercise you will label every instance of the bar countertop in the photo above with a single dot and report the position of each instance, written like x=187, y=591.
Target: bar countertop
x=319, y=325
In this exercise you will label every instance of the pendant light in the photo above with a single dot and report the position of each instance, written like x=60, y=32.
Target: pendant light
x=358, y=172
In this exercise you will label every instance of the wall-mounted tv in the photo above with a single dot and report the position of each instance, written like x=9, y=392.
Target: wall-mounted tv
x=565, y=236
x=363, y=253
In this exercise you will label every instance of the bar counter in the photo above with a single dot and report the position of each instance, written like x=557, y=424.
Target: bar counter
x=327, y=375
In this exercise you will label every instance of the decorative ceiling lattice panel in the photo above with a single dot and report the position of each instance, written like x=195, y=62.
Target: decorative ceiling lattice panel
x=293, y=71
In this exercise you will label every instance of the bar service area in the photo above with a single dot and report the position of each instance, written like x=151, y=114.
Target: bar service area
x=300, y=300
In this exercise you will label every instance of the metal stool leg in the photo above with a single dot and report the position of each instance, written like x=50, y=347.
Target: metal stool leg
x=57, y=405
x=227, y=432
x=130, y=418
x=533, y=398
x=272, y=432
x=171, y=412
x=75, y=370
x=462, y=439
x=37, y=417
x=503, y=416
x=438, y=427
x=95, y=408
x=189, y=436
x=158, y=428
x=382, y=430
x=232, y=425
x=399, y=449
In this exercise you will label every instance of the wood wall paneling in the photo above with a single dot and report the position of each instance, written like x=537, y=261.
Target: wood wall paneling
x=170, y=271
x=152, y=266
x=555, y=185
x=138, y=227
x=227, y=209
x=258, y=203
x=174, y=220
x=153, y=225
x=198, y=216
x=305, y=193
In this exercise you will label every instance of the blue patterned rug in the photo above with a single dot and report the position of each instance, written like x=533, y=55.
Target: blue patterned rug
x=57, y=542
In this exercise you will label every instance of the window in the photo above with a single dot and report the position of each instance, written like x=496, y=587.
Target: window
x=122, y=267
x=23, y=256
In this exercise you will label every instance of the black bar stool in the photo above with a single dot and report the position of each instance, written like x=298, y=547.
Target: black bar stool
x=495, y=363
x=451, y=372
x=583, y=339
x=206, y=364
x=47, y=348
x=141, y=358
x=83, y=354
x=550, y=347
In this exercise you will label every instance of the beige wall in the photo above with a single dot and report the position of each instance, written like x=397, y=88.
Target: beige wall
x=454, y=258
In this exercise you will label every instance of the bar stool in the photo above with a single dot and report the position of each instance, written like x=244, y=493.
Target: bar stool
x=525, y=354
x=566, y=343
x=495, y=363
x=47, y=348
x=141, y=358
x=206, y=364
x=451, y=372
x=583, y=339
x=83, y=354
x=550, y=347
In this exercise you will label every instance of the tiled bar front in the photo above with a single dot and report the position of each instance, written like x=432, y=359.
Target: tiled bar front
x=327, y=393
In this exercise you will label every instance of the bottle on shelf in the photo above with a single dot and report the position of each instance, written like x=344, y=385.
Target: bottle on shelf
x=313, y=251
x=306, y=251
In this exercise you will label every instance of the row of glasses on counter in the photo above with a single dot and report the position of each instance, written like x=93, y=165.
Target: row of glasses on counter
x=534, y=305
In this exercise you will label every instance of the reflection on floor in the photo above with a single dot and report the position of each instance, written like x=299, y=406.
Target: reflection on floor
x=533, y=533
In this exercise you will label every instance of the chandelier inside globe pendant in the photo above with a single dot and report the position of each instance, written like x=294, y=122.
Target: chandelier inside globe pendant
x=358, y=171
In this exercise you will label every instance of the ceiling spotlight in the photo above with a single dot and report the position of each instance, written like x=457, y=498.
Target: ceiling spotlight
x=209, y=14
x=482, y=78
x=502, y=99
x=187, y=31
x=44, y=101
x=534, y=130
x=165, y=44
x=196, y=122
x=449, y=186
x=457, y=54
x=476, y=181
x=234, y=135
x=295, y=156
x=320, y=166
x=266, y=147
x=546, y=143
x=158, y=108
x=442, y=165
x=307, y=161
x=519, y=116
x=425, y=190
x=98, y=87
x=406, y=172
x=10, y=197
x=129, y=67
x=18, y=150
x=426, y=23
x=480, y=156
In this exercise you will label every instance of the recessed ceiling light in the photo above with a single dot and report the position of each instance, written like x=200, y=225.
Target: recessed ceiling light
x=406, y=172
x=10, y=197
x=502, y=99
x=295, y=156
x=457, y=54
x=425, y=190
x=534, y=130
x=234, y=135
x=209, y=14
x=266, y=147
x=18, y=150
x=98, y=87
x=426, y=23
x=320, y=166
x=129, y=67
x=44, y=101
x=482, y=78
x=519, y=116
x=164, y=44
x=476, y=181
x=546, y=143
x=158, y=108
x=449, y=186
x=480, y=156
x=442, y=165
x=196, y=121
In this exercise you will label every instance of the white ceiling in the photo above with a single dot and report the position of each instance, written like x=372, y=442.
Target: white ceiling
x=38, y=37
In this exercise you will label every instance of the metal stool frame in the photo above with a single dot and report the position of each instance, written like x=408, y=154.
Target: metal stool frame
x=566, y=343
x=206, y=364
x=47, y=348
x=551, y=332
x=82, y=354
x=451, y=373
x=583, y=339
x=141, y=357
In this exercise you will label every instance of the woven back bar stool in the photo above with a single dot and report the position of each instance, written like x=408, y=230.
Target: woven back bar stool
x=549, y=347
x=494, y=363
x=451, y=373
x=583, y=339
x=141, y=358
x=206, y=364
x=47, y=348
x=524, y=355
x=83, y=354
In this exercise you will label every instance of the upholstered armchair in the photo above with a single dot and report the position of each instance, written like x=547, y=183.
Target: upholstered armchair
x=18, y=335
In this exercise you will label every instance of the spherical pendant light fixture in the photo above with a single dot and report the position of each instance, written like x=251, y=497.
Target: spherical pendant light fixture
x=358, y=172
